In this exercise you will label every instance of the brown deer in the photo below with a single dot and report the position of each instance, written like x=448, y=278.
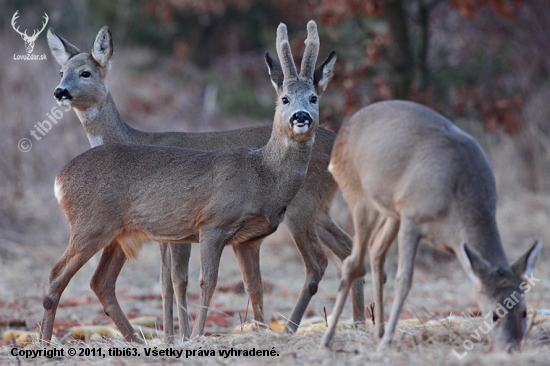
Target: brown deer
x=115, y=197
x=83, y=87
x=423, y=178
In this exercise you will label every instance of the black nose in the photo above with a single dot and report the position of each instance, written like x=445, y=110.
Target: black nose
x=60, y=93
x=301, y=117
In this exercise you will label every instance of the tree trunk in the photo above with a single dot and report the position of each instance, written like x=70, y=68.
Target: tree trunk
x=401, y=57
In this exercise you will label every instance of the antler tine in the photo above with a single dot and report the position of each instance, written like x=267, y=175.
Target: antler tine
x=311, y=52
x=46, y=18
x=285, y=54
x=43, y=25
x=13, y=19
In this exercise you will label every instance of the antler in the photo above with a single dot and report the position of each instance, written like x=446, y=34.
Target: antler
x=15, y=16
x=285, y=54
x=311, y=52
x=35, y=35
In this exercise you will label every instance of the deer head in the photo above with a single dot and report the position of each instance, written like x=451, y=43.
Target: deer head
x=502, y=294
x=29, y=40
x=82, y=74
x=298, y=94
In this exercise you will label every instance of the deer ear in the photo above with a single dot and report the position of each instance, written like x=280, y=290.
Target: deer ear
x=525, y=265
x=477, y=268
x=103, y=47
x=324, y=73
x=60, y=48
x=275, y=71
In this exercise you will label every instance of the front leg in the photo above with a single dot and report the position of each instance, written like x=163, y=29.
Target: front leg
x=212, y=244
x=180, y=254
x=248, y=258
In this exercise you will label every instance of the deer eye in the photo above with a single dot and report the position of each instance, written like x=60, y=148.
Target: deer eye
x=284, y=100
x=495, y=317
x=85, y=74
x=524, y=314
x=313, y=99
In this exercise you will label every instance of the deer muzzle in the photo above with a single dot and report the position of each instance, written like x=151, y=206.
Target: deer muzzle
x=60, y=93
x=300, y=121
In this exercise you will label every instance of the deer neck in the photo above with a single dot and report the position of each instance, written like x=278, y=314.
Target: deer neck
x=104, y=124
x=484, y=237
x=284, y=154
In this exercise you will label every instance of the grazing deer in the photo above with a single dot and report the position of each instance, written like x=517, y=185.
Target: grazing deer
x=83, y=87
x=117, y=196
x=29, y=40
x=423, y=179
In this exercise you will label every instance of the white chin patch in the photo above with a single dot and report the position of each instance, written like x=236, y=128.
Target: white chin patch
x=64, y=101
x=300, y=129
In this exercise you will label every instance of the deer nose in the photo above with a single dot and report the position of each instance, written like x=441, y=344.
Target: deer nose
x=301, y=118
x=62, y=93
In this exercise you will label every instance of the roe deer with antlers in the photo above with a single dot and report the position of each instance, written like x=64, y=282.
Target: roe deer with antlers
x=423, y=179
x=83, y=87
x=117, y=196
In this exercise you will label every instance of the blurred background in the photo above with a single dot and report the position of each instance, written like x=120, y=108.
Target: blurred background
x=197, y=65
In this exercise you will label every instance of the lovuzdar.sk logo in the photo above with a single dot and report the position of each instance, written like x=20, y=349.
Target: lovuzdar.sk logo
x=29, y=40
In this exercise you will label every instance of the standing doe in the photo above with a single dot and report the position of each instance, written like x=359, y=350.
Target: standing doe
x=423, y=179
x=115, y=197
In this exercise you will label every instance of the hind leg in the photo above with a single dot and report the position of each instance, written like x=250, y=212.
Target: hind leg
x=315, y=260
x=166, y=291
x=78, y=252
x=103, y=284
x=378, y=248
x=340, y=244
x=354, y=265
x=407, y=243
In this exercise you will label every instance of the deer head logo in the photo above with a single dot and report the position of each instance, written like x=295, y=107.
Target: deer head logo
x=29, y=40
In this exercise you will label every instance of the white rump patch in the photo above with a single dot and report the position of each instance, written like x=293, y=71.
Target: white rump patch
x=58, y=191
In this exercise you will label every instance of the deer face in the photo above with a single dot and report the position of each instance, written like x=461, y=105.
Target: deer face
x=82, y=75
x=298, y=106
x=298, y=95
x=502, y=294
x=82, y=83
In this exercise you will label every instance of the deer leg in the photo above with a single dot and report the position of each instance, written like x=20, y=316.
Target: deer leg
x=378, y=248
x=315, y=260
x=166, y=291
x=180, y=254
x=353, y=266
x=248, y=258
x=103, y=284
x=211, y=244
x=74, y=257
x=340, y=244
x=407, y=243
